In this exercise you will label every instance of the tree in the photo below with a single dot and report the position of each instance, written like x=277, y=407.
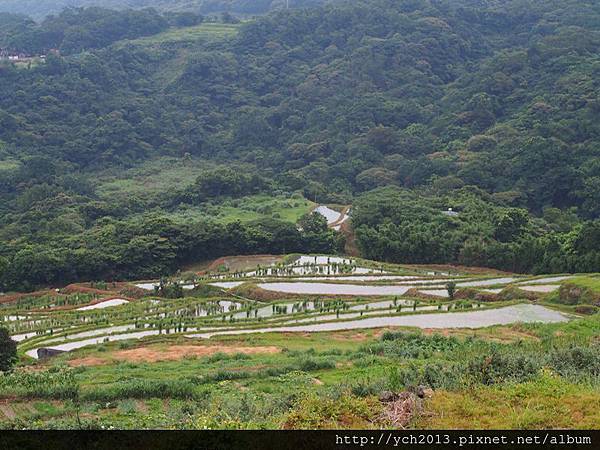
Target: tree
x=313, y=223
x=3, y=272
x=510, y=225
x=451, y=287
x=8, y=351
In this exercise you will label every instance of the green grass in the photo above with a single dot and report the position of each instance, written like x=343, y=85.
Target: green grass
x=149, y=179
x=245, y=209
x=8, y=165
x=261, y=206
x=514, y=376
x=333, y=380
x=203, y=32
x=546, y=402
x=591, y=282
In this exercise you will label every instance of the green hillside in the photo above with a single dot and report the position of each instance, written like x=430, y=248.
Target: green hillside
x=490, y=108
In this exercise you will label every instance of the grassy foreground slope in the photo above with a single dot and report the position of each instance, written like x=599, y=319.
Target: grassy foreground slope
x=146, y=363
x=491, y=378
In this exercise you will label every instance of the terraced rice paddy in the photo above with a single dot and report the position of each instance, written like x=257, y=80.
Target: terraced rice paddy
x=540, y=288
x=104, y=304
x=244, y=330
x=328, y=293
x=472, y=319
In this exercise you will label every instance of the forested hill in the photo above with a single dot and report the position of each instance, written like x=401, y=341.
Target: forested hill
x=499, y=99
x=39, y=9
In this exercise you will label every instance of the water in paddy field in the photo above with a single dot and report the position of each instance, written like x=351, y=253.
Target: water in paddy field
x=333, y=289
x=227, y=284
x=97, y=332
x=69, y=346
x=472, y=319
x=491, y=282
x=321, y=260
x=362, y=277
x=435, y=292
x=104, y=304
x=546, y=280
x=329, y=214
x=151, y=286
x=24, y=336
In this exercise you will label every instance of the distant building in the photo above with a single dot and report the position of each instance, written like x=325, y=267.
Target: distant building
x=450, y=212
x=12, y=55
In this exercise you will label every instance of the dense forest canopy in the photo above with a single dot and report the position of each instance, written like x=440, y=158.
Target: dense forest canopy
x=495, y=99
x=39, y=9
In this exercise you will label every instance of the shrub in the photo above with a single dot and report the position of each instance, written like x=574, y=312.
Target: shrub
x=315, y=412
x=309, y=364
x=577, y=361
x=501, y=366
x=572, y=294
x=587, y=309
x=55, y=383
x=413, y=345
x=142, y=389
x=8, y=351
x=366, y=360
x=366, y=387
x=435, y=375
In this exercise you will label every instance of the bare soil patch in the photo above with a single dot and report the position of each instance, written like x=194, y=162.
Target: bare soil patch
x=349, y=336
x=171, y=353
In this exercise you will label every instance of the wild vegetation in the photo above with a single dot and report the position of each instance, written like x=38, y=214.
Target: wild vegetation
x=39, y=9
x=220, y=349
x=331, y=103
x=139, y=144
x=323, y=381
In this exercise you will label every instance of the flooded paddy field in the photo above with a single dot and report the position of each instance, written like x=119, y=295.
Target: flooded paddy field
x=472, y=319
x=292, y=324
x=92, y=320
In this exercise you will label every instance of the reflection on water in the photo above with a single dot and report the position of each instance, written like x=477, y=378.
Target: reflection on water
x=546, y=280
x=471, y=319
x=104, y=304
x=333, y=289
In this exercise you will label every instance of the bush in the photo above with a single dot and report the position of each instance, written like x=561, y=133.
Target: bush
x=577, y=361
x=412, y=345
x=434, y=375
x=309, y=364
x=8, y=351
x=315, y=412
x=142, y=389
x=587, y=309
x=366, y=387
x=572, y=294
x=502, y=366
x=55, y=383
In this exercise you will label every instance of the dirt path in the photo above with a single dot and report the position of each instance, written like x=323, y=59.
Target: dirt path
x=8, y=412
x=30, y=408
x=350, y=248
x=141, y=406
